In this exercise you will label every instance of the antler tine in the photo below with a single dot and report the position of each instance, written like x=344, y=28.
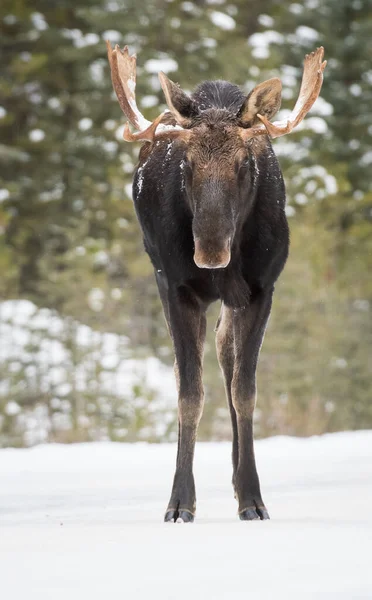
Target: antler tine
x=142, y=136
x=123, y=76
x=311, y=84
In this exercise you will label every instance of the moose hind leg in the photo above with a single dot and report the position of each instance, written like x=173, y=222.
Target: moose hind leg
x=249, y=328
x=188, y=323
x=225, y=354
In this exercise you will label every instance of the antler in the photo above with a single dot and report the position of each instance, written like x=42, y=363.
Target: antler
x=312, y=80
x=123, y=76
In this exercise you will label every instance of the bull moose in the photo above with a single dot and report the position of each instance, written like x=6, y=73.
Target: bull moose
x=209, y=196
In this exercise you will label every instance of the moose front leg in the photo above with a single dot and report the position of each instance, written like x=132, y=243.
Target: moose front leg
x=187, y=323
x=249, y=328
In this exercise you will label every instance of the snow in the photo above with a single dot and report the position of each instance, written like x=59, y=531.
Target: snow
x=119, y=133
x=169, y=150
x=140, y=176
x=96, y=299
x=113, y=35
x=307, y=35
x=141, y=121
x=366, y=158
x=12, y=408
x=47, y=349
x=162, y=128
x=260, y=42
x=38, y=21
x=223, y=21
x=149, y=101
x=131, y=83
x=329, y=181
x=79, y=39
x=296, y=9
x=54, y=103
x=289, y=211
x=265, y=20
x=165, y=64
x=4, y=194
x=85, y=124
x=36, y=135
x=316, y=124
x=85, y=521
x=322, y=108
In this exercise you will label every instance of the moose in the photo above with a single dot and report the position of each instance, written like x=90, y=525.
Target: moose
x=210, y=199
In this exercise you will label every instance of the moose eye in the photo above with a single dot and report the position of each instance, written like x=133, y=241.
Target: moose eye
x=242, y=166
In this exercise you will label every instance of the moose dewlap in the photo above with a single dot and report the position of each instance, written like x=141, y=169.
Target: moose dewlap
x=210, y=198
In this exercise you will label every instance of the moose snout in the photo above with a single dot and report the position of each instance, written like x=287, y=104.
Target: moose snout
x=210, y=254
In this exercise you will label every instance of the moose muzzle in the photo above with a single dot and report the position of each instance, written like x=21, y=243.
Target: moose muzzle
x=212, y=254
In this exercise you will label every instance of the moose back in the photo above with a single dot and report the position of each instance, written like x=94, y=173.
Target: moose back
x=210, y=199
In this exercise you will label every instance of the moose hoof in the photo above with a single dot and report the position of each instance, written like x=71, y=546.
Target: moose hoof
x=178, y=516
x=253, y=513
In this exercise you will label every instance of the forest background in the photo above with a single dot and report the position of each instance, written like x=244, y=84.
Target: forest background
x=84, y=351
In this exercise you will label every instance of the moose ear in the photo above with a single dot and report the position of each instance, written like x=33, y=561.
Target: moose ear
x=264, y=99
x=179, y=103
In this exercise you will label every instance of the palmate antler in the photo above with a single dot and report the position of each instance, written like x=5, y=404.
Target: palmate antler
x=311, y=84
x=123, y=75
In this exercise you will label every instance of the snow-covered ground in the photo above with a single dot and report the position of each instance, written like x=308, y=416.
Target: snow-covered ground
x=84, y=522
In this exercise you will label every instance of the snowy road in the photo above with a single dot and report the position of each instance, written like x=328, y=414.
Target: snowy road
x=85, y=522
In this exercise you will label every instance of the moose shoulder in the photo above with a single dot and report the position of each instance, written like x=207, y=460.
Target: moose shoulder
x=210, y=198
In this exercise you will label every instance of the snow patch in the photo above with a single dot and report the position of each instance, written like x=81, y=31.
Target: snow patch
x=38, y=21
x=149, y=101
x=166, y=64
x=85, y=124
x=4, y=194
x=55, y=354
x=318, y=171
x=260, y=42
x=141, y=121
x=140, y=177
x=113, y=35
x=307, y=35
x=222, y=20
x=322, y=108
x=36, y=135
x=163, y=128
